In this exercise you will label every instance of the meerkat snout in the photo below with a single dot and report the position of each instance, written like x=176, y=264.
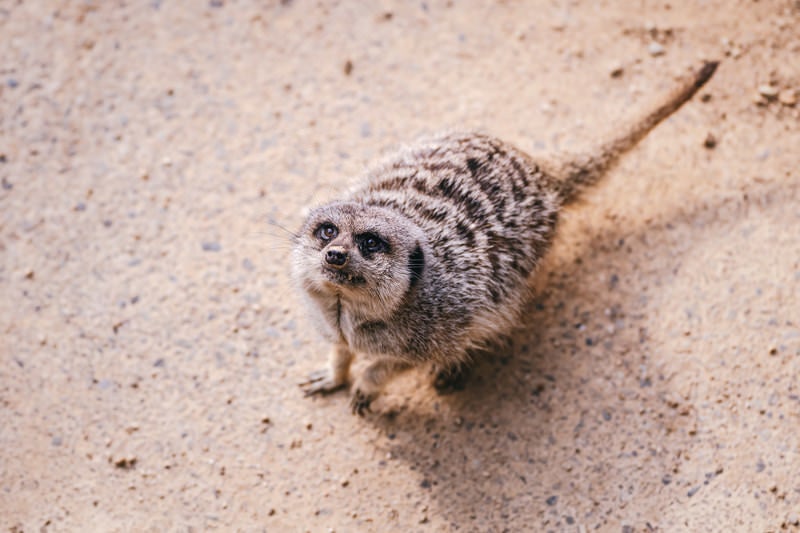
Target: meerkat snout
x=336, y=256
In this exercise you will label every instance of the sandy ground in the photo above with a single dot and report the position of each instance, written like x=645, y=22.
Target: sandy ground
x=151, y=342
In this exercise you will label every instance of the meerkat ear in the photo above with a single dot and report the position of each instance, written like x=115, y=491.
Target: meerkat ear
x=416, y=264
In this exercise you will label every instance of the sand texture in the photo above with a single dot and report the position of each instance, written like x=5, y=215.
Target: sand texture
x=151, y=341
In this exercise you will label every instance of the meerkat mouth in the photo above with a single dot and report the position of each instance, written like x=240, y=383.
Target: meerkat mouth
x=340, y=277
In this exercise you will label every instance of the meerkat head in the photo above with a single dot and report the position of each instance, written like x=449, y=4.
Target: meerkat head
x=367, y=255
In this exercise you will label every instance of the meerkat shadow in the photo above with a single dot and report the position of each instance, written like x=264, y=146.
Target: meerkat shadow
x=529, y=402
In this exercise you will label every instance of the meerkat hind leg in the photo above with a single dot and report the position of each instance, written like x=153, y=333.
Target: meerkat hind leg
x=332, y=378
x=369, y=385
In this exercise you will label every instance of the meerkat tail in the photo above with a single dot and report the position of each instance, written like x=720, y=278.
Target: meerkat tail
x=575, y=173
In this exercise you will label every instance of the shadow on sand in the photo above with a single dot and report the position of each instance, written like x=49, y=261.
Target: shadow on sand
x=552, y=428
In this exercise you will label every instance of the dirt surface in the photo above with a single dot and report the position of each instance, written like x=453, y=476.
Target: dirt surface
x=151, y=342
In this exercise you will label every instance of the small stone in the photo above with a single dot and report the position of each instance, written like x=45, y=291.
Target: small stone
x=705, y=97
x=656, y=49
x=345, y=482
x=759, y=99
x=617, y=71
x=348, y=67
x=711, y=141
x=793, y=519
x=770, y=92
x=788, y=97
x=125, y=463
x=552, y=500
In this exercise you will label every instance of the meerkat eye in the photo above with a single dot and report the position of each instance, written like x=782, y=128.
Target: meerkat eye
x=327, y=232
x=370, y=244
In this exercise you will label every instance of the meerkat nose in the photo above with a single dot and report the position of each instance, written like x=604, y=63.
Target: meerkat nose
x=336, y=257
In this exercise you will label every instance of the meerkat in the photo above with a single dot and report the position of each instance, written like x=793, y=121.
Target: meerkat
x=430, y=259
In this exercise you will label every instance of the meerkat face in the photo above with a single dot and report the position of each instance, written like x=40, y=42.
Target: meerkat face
x=365, y=254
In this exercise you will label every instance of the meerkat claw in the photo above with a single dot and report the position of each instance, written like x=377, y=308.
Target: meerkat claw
x=319, y=382
x=360, y=403
x=449, y=380
x=313, y=377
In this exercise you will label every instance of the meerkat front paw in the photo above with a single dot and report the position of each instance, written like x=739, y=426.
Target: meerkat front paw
x=321, y=382
x=360, y=402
